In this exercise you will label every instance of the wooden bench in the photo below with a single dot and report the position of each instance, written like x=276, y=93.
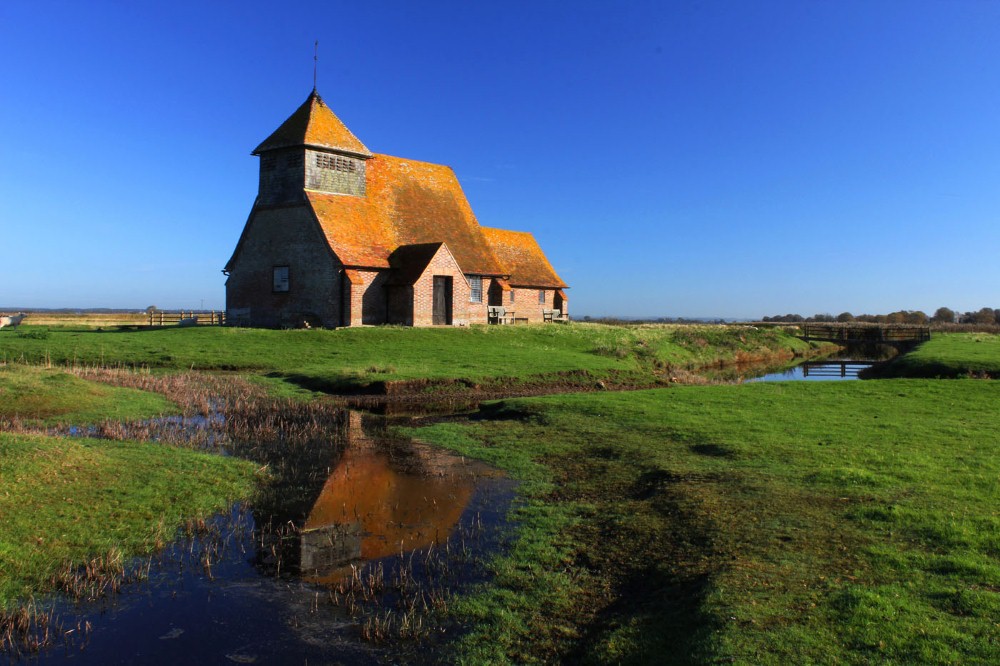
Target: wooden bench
x=553, y=315
x=497, y=314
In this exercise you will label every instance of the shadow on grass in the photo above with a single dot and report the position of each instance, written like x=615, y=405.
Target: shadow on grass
x=660, y=615
x=643, y=548
x=712, y=450
x=331, y=384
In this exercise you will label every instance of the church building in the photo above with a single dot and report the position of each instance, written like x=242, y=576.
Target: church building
x=341, y=236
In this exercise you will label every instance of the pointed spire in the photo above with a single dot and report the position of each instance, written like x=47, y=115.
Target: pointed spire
x=314, y=124
x=315, y=63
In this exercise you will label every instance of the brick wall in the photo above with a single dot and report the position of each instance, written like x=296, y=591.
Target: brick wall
x=462, y=311
x=285, y=237
x=526, y=304
x=561, y=304
x=477, y=313
x=369, y=298
x=508, y=300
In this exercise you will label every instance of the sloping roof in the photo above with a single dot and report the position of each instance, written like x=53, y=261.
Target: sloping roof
x=313, y=124
x=406, y=203
x=409, y=262
x=519, y=253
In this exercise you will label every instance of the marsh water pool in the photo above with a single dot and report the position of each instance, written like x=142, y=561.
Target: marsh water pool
x=322, y=569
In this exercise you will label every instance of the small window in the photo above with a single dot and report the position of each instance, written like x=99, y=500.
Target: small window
x=280, y=279
x=512, y=292
x=541, y=296
x=476, y=295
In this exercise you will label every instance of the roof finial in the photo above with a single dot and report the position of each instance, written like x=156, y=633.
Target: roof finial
x=315, y=62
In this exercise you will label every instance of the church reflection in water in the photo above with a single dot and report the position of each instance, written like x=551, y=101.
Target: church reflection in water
x=383, y=497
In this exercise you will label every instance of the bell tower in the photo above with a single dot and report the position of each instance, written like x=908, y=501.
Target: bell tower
x=311, y=150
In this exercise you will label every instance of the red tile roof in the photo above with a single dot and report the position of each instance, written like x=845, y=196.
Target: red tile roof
x=313, y=124
x=519, y=253
x=407, y=203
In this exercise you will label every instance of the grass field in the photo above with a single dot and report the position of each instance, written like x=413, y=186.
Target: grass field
x=65, y=501
x=846, y=522
x=951, y=355
x=94, y=319
x=843, y=522
x=47, y=396
x=356, y=357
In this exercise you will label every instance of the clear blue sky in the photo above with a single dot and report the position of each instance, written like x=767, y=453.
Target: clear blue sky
x=715, y=158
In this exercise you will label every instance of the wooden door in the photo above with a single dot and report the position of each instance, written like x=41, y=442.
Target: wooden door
x=442, y=300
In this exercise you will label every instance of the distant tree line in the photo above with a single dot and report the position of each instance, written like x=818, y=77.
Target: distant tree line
x=982, y=317
x=619, y=321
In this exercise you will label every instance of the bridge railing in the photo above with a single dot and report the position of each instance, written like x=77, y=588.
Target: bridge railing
x=833, y=368
x=866, y=333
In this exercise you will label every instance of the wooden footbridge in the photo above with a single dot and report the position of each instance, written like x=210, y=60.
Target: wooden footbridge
x=896, y=335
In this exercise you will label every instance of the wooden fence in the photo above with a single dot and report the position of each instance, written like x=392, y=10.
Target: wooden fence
x=863, y=334
x=191, y=318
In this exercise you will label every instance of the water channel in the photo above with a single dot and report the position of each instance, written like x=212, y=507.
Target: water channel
x=387, y=530
x=818, y=371
x=850, y=364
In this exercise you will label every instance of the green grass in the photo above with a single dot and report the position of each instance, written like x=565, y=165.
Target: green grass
x=355, y=357
x=949, y=355
x=68, y=500
x=48, y=396
x=842, y=522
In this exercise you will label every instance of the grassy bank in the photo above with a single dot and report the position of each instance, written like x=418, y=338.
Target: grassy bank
x=356, y=358
x=47, y=396
x=850, y=522
x=950, y=355
x=65, y=501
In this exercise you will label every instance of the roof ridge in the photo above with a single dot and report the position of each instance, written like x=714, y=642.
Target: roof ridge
x=397, y=158
x=508, y=231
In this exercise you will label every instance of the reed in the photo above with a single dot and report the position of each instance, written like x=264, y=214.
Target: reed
x=295, y=444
